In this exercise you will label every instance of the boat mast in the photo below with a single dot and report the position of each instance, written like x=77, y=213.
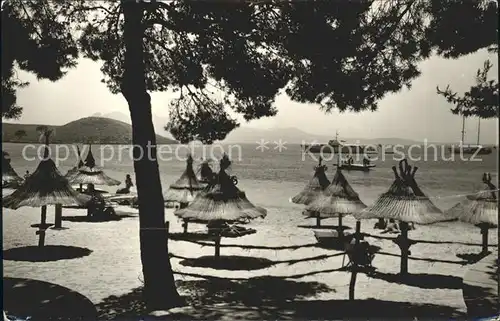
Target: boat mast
x=463, y=130
x=478, y=130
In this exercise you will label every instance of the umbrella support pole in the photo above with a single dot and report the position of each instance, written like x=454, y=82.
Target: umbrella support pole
x=41, y=230
x=484, y=233
x=354, y=269
x=58, y=220
x=217, y=246
x=405, y=247
x=167, y=228
x=185, y=223
x=340, y=230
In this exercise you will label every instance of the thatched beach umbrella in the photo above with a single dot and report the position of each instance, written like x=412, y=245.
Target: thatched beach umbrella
x=206, y=173
x=338, y=199
x=73, y=171
x=90, y=174
x=185, y=188
x=9, y=175
x=220, y=203
x=46, y=186
x=79, y=164
x=314, y=187
x=480, y=209
x=406, y=203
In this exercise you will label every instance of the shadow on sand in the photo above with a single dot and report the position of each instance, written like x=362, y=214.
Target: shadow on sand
x=463, y=262
x=472, y=258
x=480, y=288
x=265, y=298
x=430, y=242
x=423, y=281
x=47, y=253
x=484, y=304
x=324, y=227
x=59, y=228
x=200, y=239
x=45, y=301
x=87, y=219
x=231, y=263
x=242, y=263
x=253, y=292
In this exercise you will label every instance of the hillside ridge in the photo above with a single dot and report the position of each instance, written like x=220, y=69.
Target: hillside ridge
x=95, y=130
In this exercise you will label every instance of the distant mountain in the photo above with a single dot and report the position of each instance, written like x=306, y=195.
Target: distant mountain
x=289, y=135
x=297, y=136
x=96, y=130
x=158, y=122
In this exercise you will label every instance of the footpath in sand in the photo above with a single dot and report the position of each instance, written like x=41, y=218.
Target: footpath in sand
x=286, y=275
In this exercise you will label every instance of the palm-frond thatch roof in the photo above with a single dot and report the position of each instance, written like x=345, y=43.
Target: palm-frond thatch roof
x=338, y=198
x=46, y=186
x=78, y=165
x=314, y=187
x=206, y=172
x=404, y=201
x=478, y=208
x=90, y=174
x=186, y=187
x=9, y=175
x=221, y=201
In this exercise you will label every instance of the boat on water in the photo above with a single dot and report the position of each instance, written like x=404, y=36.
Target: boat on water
x=355, y=167
x=471, y=149
x=339, y=146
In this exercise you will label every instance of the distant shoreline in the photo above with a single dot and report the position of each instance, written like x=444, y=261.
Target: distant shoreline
x=75, y=143
x=216, y=143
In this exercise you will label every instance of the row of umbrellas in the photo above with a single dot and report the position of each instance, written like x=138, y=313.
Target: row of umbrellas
x=213, y=197
x=47, y=186
x=404, y=201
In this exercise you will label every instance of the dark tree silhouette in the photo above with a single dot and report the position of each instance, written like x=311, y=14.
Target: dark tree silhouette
x=41, y=129
x=33, y=42
x=481, y=100
x=20, y=133
x=343, y=55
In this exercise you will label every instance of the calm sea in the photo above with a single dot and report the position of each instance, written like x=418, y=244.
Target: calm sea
x=270, y=177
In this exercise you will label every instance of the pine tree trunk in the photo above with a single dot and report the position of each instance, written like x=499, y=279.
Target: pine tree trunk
x=159, y=286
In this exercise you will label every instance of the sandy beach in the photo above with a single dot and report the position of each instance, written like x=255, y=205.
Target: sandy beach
x=304, y=272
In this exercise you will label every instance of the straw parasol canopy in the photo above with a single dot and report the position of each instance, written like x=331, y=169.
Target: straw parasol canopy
x=404, y=201
x=480, y=209
x=46, y=186
x=206, y=172
x=90, y=174
x=222, y=201
x=78, y=165
x=9, y=175
x=338, y=199
x=315, y=187
x=186, y=187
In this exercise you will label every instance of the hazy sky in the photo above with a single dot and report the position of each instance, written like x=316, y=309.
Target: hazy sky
x=415, y=114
